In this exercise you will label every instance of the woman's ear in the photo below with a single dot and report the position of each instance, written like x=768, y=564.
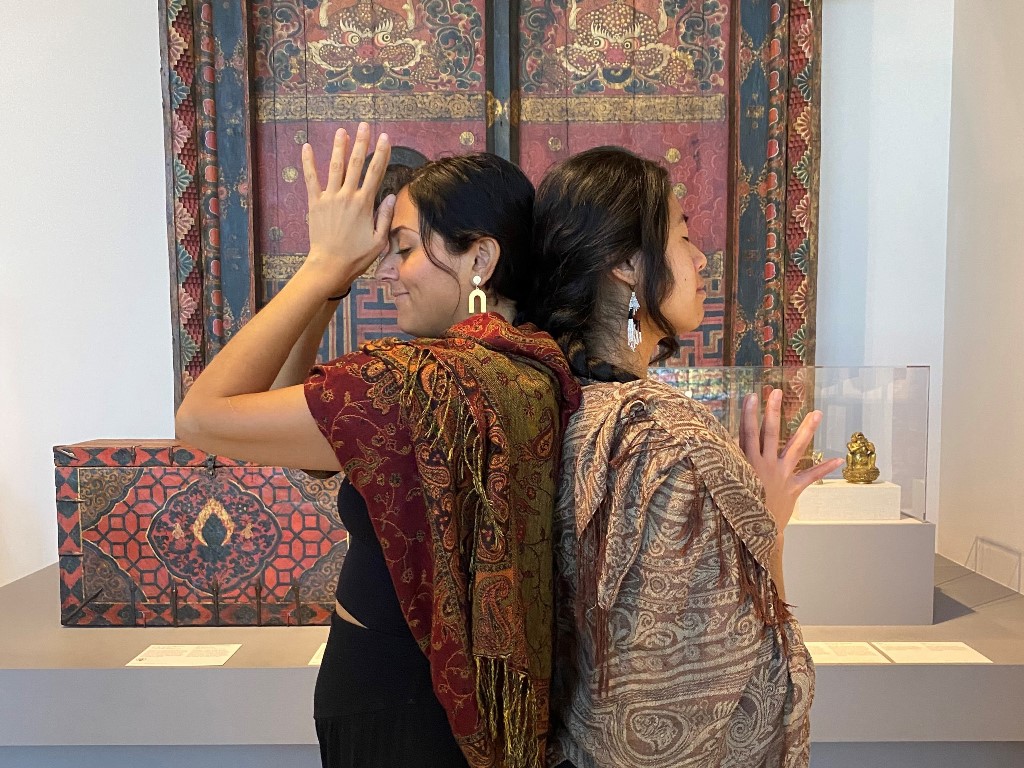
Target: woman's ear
x=485, y=260
x=627, y=272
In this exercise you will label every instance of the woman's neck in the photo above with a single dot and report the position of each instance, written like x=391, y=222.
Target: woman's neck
x=612, y=348
x=504, y=307
x=608, y=338
x=496, y=306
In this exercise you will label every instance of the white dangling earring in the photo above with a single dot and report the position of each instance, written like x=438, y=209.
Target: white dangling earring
x=477, y=296
x=633, y=335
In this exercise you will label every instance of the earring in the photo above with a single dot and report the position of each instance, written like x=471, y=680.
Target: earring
x=633, y=335
x=477, y=296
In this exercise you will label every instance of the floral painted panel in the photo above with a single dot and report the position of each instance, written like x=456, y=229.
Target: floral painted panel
x=653, y=77
x=414, y=70
x=724, y=92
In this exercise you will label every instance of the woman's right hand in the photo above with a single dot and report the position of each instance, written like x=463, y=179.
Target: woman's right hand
x=777, y=470
x=344, y=239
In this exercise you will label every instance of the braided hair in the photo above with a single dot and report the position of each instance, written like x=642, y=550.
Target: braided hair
x=593, y=212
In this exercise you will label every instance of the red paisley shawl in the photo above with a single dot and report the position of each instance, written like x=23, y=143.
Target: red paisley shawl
x=454, y=444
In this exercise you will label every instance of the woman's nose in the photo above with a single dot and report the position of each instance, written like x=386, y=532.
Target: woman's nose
x=702, y=259
x=386, y=268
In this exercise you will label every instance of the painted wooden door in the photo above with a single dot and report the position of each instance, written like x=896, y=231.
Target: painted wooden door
x=723, y=92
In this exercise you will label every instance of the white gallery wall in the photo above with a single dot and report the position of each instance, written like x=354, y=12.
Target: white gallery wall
x=886, y=71
x=85, y=330
x=982, y=509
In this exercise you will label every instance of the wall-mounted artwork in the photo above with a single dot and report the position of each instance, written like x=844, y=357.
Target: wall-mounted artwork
x=724, y=93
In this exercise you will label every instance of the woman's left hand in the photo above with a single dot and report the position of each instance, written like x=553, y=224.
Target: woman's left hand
x=344, y=239
x=777, y=470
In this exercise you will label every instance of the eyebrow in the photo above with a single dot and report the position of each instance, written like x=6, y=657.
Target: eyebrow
x=395, y=230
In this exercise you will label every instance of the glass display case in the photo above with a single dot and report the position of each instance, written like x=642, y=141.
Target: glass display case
x=887, y=406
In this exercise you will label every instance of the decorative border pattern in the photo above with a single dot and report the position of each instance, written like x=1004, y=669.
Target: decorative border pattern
x=206, y=106
x=209, y=200
x=800, y=277
x=775, y=262
x=120, y=530
x=183, y=192
x=623, y=109
x=415, y=107
x=752, y=180
x=777, y=148
x=776, y=61
x=803, y=181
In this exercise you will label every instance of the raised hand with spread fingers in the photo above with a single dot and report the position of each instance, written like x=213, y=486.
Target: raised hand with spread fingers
x=777, y=469
x=231, y=409
x=344, y=238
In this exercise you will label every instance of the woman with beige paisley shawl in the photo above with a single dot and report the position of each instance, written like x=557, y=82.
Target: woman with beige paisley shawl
x=440, y=647
x=674, y=643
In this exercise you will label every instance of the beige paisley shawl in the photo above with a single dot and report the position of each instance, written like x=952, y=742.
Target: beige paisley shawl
x=673, y=648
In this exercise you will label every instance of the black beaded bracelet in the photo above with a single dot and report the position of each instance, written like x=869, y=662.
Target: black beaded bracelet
x=339, y=298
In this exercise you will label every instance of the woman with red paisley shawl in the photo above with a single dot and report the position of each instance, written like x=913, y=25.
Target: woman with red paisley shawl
x=440, y=646
x=674, y=643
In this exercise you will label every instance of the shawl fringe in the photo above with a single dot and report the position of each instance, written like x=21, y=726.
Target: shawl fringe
x=441, y=417
x=509, y=706
x=454, y=444
x=754, y=581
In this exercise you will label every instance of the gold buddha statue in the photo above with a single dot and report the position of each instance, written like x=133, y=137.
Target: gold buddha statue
x=860, y=460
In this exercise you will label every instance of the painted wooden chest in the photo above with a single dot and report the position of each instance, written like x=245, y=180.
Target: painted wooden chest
x=156, y=533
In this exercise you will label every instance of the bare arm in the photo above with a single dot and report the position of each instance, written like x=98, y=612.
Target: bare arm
x=303, y=354
x=229, y=410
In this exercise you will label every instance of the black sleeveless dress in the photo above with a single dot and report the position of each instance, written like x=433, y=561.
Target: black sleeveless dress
x=374, y=704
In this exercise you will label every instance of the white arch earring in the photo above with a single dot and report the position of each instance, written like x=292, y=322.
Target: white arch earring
x=477, y=296
x=633, y=336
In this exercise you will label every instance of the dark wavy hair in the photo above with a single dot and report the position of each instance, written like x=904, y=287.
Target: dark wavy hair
x=592, y=212
x=401, y=168
x=466, y=197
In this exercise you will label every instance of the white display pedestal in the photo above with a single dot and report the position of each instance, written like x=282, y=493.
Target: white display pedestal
x=856, y=573
x=840, y=501
x=67, y=701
